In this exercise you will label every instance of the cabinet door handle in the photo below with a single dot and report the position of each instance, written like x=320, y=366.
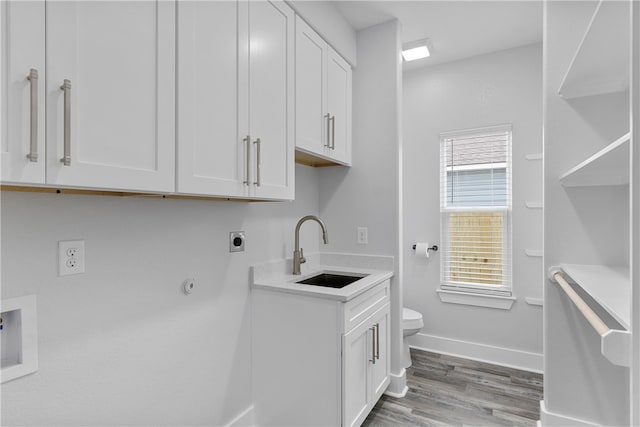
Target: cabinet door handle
x=66, y=88
x=247, y=149
x=258, y=161
x=33, y=130
x=373, y=344
x=333, y=132
x=327, y=140
x=378, y=341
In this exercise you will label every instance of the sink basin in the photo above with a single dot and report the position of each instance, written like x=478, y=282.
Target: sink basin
x=329, y=280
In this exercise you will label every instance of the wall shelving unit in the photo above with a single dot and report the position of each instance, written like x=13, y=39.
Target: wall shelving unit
x=588, y=208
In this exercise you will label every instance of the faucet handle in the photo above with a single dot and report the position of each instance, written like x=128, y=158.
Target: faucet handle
x=302, y=258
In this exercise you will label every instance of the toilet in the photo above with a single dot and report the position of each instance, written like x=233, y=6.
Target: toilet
x=411, y=325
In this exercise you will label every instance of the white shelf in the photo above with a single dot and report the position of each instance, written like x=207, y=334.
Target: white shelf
x=601, y=63
x=609, y=166
x=608, y=286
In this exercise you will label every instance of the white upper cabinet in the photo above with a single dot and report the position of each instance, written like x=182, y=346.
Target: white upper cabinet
x=23, y=96
x=210, y=152
x=339, y=107
x=323, y=100
x=270, y=99
x=110, y=94
x=89, y=96
x=235, y=99
x=311, y=94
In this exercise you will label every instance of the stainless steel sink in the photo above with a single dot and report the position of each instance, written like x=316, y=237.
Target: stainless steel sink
x=329, y=280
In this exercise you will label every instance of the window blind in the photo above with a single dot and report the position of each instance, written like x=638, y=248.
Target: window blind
x=475, y=202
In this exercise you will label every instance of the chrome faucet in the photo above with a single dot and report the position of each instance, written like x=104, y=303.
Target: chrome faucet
x=298, y=255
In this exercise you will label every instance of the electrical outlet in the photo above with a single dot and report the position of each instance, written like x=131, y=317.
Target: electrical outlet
x=236, y=241
x=363, y=236
x=70, y=257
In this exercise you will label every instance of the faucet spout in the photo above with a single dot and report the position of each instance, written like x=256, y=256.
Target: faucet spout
x=297, y=253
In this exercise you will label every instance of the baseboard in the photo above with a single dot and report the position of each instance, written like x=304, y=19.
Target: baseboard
x=244, y=419
x=397, y=384
x=549, y=419
x=518, y=359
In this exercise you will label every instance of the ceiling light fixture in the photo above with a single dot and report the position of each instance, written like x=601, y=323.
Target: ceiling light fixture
x=415, y=50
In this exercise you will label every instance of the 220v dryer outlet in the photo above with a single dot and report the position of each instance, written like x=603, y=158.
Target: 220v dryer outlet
x=70, y=257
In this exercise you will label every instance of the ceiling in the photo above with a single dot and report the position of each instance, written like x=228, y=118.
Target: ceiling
x=455, y=29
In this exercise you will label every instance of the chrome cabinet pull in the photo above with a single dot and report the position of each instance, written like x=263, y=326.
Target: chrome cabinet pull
x=327, y=140
x=247, y=147
x=373, y=344
x=378, y=341
x=33, y=129
x=333, y=132
x=66, y=87
x=257, y=181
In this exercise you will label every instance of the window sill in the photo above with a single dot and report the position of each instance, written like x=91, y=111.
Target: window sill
x=478, y=300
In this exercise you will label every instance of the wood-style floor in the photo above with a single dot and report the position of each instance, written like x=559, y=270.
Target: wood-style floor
x=450, y=391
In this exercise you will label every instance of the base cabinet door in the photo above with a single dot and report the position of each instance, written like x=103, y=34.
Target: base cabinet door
x=22, y=92
x=111, y=94
x=211, y=154
x=380, y=370
x=358, y=352
x=365, y=366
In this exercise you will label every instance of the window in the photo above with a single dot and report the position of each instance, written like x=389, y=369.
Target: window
x=475, y=207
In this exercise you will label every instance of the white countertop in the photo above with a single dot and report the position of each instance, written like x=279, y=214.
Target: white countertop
x=276, y=275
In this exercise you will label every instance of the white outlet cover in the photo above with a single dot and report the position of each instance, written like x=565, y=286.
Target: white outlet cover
x=70, y=257
x=363, y=235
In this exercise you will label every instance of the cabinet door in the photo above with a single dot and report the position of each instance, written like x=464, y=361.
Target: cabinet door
x=357, y=354
x=339, y=107
x=310, y=71
x=380, y=370
x=210, y=153
x=23, y=134
x=271, y=100
x=119, y=61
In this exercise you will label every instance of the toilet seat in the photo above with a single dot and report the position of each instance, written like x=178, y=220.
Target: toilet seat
x=411, y=319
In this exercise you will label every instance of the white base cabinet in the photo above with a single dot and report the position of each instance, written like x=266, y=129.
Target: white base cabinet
x=365, y=369
x=319, y=361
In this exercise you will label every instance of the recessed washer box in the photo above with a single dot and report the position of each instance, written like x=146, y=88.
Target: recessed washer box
x=19, y=335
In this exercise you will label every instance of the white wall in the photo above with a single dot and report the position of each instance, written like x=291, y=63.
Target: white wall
x=325, y=19
x=498, y=88
x=367, y=194
x=121, y=344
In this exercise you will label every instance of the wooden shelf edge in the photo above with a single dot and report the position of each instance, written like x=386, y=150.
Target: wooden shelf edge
x=310, y=159
x=93, y=192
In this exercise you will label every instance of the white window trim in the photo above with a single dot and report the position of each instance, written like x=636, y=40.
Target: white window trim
x=476, y=299
x=477, y=294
